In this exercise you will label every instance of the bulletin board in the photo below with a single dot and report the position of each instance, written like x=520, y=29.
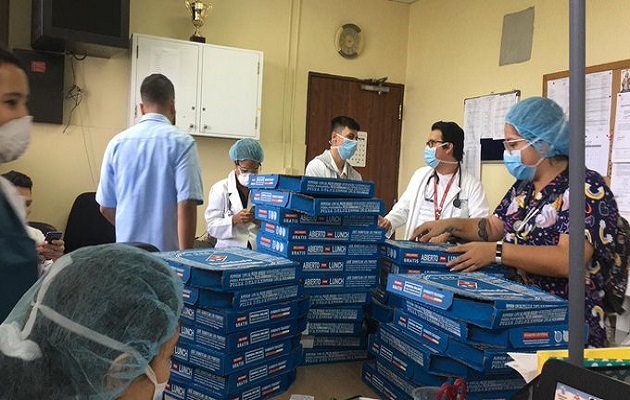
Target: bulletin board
x=607, y=122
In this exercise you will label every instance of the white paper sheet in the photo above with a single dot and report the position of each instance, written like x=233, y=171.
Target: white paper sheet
x=621, y=139
x=619, y=179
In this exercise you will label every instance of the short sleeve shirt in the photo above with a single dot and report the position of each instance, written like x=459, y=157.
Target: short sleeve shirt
x=548, y=212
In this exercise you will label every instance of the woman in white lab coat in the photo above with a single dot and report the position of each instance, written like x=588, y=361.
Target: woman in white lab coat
x=442, y=189
x=230, y=216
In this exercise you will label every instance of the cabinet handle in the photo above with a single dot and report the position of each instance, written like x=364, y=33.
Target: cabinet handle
x=193, y=107
x=205, y=127
x=203, y=109
x=191, y=126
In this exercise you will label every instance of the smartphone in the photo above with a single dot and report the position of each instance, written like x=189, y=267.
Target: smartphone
x=53, y=235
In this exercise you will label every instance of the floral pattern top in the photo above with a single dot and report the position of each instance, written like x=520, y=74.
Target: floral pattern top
x=548, y=212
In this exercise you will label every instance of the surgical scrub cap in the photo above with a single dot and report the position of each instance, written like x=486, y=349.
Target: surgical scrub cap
x=543, y=119
x=89, y=326
x=247, y=149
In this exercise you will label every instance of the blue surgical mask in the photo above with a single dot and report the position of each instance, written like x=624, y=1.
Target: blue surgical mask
x=429, y=157
x=347, y=148
x=515, y=166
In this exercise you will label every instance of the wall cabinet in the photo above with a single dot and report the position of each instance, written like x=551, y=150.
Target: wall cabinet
x=218, y=89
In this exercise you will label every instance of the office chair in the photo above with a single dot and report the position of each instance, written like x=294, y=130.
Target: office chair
x=42, y=226
x=86, y=225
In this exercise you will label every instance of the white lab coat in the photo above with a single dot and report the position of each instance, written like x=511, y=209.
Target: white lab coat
x=224, y=202
x=408, y=210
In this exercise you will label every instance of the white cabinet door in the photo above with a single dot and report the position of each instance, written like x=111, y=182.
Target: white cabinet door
x=179, y=62
x=231, y=90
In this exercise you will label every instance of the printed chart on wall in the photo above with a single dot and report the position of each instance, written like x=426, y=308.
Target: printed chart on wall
x=620, y=174
x=598, y=101
x=484, y=118
x=358, y=159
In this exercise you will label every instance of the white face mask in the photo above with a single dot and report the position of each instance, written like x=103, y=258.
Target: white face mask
x=15, y=137
x=159, y=389
x=243, y=178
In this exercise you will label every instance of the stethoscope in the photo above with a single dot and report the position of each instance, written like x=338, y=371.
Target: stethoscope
x=457, y=203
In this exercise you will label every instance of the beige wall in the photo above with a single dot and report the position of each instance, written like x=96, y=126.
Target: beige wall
x=296, y=36
x=443, y=51
x=454, y=54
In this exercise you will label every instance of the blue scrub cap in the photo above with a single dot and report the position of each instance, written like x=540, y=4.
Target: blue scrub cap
x=543, y=119
x=90, y=325
x=247, y=149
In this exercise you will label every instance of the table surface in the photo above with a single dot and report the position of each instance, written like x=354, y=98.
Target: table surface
x=338, y=381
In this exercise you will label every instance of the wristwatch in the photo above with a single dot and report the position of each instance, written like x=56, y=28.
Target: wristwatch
x=498, y=252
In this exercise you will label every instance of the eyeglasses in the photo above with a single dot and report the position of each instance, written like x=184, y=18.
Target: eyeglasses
x=245, y=170
x=514, y=144
x=432, y=143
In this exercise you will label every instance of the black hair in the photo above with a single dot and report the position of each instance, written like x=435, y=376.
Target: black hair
x=19, y=179
x=157, y=89
x=452, y=133
x=341, y=122
x=6, y=57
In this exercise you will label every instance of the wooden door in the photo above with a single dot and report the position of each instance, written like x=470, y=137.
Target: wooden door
x=379, y=114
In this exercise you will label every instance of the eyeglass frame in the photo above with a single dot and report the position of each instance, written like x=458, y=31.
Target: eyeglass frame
x=432, y=143
x=507, y=143
x=244, y=170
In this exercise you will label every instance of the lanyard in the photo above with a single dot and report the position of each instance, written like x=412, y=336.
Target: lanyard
x=438, y=210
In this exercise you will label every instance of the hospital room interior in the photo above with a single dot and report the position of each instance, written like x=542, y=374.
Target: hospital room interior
x=394, y=66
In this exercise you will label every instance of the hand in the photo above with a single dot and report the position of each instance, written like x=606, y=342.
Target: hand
x=242, y=217
x=430, y=229
x=443, y=238
x=476, y=255
x=384, y=223
x=51, y=251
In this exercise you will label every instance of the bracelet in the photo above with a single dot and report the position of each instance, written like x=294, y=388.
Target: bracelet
x=498, y=252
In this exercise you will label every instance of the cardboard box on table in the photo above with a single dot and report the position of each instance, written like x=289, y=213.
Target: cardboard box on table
x=380, y=385
x=286, y=217
x=322, y=233
x=340, y=265
x=349, y=314
x=481, y=299
x=314, y=251
x=339, y=299
x=241, y=299
x=313, y=185
x=332, y=355
x=317, y=205
x=338, y=282
x=345, y=342
x=230, y=268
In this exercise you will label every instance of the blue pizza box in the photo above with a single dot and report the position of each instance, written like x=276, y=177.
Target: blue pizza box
x=382, y=295
x=181, y=389
x=313, y=186
x=230, y=268
x=332, y=355
x=344, y=313
x=242, y=340
x=224, y=364
x=481, y=299
x=380, y=385
x=339, y=342
x=313, y=250
x=338, y=299
x=340, y=264
x=381, y=312
x=228, y=321
x=222, y=385
x=480, y=358
x=327, y=328
x=530, y=336
x=396, y=380
x=286, y=217
x=417, y=354
x=317, y=205
x=323, y=233
x=242, y=299
x=339, y=282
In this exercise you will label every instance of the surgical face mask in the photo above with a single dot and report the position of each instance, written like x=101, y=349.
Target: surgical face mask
x=347, y=148
x=514, y=164
x=159, y=388
x=15, y=137
x=429, y=157
x=243, y=178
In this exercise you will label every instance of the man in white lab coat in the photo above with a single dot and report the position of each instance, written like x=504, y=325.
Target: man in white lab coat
x=343, y=144
x=442, y=189
x=230, y=216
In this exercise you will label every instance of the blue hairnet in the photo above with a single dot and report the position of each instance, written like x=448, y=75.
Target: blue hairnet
x=541, y=118
x=89, y=326
x=247, y=149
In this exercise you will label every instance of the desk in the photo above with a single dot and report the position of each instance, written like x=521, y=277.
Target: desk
x=328, y=381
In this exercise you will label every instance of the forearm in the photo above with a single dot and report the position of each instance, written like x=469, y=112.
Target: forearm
x=186, y=223
x=109, y=214
x=474, y=229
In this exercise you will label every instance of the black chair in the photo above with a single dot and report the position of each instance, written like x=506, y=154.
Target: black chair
x=42, y=226
x=86, y=225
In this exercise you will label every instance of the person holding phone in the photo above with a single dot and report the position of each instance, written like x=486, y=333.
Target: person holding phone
x=49, y=247
x=230, y=213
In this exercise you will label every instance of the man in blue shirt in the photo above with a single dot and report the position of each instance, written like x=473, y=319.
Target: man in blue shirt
x=150, y=183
